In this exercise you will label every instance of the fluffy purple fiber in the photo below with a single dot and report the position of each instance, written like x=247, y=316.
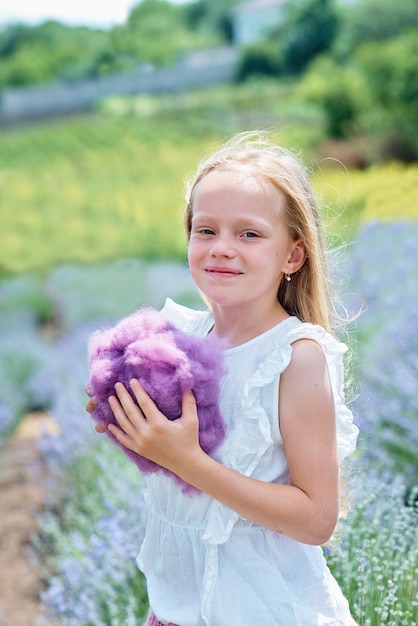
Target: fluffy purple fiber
x=167, y=362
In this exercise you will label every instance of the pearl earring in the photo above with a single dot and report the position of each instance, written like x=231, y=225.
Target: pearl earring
x=288, y=278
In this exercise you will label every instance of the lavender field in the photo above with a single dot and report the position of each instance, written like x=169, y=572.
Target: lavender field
x=93, y=522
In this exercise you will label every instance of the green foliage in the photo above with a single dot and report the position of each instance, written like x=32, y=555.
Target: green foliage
x=309, y=29
x=43, y=53
x=212, y=15
x=156, y=32
x=262, y=59
x=390, y=69
x=342, y=93
x=360, y=58
x=373, y=21
x=28, y=294
x=376, y=93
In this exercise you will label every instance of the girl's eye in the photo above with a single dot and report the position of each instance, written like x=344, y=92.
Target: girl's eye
x=203, y=231
x=249, y=234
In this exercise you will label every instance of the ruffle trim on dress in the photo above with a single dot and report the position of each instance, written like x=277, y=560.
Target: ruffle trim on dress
x=186, y=319
x=257, y=420
x=253, y=434
x=347, y=431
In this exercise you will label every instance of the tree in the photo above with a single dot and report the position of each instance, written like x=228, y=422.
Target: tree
x=373, y=20
x=44, y=53
x=156, y=32
x=341, y=92
x=390, y=68
x=214, y=16
x=309, y=29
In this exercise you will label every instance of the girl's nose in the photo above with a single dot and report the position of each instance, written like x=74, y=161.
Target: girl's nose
x=222, y=246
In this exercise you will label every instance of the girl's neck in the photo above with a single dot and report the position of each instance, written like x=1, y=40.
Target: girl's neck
x=237, y=326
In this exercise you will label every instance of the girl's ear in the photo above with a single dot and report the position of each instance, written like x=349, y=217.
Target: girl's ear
x=296, y=258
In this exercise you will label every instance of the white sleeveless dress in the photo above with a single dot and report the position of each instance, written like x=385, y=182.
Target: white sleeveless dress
x=204, y=564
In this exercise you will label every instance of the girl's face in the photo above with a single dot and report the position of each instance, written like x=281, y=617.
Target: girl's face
x=239, y=244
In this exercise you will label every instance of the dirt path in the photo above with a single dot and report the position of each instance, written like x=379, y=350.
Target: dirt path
x=21, y=497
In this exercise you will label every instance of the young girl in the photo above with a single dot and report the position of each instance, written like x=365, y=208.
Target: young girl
x=246, y=550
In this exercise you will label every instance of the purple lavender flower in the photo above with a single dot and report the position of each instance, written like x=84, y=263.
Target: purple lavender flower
x=167, y=362
x=387, y=407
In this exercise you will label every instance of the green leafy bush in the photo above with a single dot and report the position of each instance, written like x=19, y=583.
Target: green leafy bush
x=26, y=293
x=262, y=59
x=390, y=69
x=341, y=92
x=308, y=30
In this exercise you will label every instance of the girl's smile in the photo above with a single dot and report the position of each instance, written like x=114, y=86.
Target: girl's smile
x=222, y=272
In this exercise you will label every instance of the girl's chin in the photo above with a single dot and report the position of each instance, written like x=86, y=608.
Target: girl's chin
x=223, y=299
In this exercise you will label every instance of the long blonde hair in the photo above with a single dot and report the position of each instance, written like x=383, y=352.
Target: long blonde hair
x=308, y=294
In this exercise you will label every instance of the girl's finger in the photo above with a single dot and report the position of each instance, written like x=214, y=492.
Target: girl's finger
x=188, y=403
x=122, y=417
x=91, y=405
x=101, y=426
x=121, y=436
x=147, y=405
x=132, y=410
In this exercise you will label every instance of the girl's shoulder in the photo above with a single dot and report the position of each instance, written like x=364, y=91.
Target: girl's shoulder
x=334, y=350
x=192, y=321
x=306, y=330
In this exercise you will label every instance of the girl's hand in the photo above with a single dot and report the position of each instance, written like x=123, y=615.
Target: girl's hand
x=147, y=431
x=90, y=406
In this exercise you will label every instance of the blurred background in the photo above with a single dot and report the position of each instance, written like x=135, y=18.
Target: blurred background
x=105, y=109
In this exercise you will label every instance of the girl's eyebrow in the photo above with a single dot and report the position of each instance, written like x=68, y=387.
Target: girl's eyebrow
x=253, y=222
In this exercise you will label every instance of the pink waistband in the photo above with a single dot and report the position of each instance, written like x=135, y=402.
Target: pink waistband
x=153, y=621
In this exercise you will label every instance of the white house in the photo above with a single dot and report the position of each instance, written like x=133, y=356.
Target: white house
x=253, y=19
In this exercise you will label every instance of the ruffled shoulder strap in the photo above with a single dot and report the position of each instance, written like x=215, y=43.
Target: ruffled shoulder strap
x=187, y=320
x=334, y=350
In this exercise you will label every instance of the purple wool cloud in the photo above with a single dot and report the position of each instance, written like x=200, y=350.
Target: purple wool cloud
x=167, y=362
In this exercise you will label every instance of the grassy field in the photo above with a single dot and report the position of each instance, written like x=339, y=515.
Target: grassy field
x=383, y=192
x=92, y=189
x=111, y=184
x=98, y=187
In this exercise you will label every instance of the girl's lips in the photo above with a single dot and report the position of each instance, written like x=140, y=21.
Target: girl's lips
x=222, y=271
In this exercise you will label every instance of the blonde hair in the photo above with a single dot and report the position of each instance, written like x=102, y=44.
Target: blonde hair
x=308, y=294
